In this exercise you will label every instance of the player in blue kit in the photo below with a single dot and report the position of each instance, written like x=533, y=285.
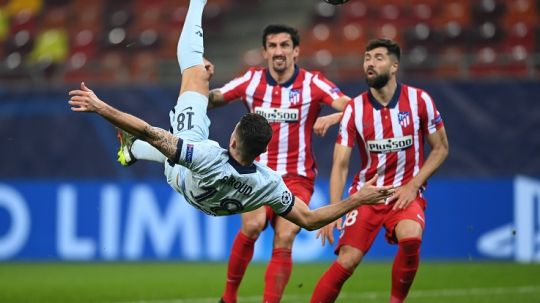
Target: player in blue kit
x=215, y=180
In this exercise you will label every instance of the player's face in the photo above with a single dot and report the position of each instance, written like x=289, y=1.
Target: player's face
x=279, y=52
x=379, y=67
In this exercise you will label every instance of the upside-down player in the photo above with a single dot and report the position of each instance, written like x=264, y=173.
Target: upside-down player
x=290, y=98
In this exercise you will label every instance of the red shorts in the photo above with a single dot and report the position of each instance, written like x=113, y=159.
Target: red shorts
x=362, y=225
x=300, y=186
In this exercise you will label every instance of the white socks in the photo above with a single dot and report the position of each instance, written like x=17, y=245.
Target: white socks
x=190, y=45
x=142, y=150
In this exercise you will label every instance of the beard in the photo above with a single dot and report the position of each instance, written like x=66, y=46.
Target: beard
x=379, y=81
x=280, y=67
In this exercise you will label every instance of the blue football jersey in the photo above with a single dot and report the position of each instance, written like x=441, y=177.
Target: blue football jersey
x=212, y=181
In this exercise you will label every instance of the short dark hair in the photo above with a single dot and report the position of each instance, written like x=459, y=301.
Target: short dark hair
x=253, y=133
x=278, y=29
x=392, y=47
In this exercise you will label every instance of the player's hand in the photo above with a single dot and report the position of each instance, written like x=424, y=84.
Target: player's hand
x=403, y=196
x=84, y=100
x=209, y=68
x=370, y=194
x=327, y=232
x=321, y=126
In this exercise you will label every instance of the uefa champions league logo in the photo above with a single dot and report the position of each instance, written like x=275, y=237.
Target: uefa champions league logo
x=286, y=198
x=520, y=239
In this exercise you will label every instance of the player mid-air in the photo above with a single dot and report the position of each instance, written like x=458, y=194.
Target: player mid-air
x=290, y=98
x=215, y=180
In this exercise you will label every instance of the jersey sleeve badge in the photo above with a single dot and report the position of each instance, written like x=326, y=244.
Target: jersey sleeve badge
x=286, y=198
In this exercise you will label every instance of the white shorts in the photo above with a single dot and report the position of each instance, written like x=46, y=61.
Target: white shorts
x=190, y=123
x=188, y=118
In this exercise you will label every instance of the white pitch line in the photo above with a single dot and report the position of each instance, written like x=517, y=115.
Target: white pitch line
x=434, y=293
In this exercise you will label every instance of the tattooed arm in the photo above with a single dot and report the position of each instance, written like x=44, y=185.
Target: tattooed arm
x=84, y=100
x=160, y=139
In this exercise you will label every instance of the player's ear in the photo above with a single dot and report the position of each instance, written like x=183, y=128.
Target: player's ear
x=296, y=52
x=264, y=53
x=395, y=66
x=233, y=144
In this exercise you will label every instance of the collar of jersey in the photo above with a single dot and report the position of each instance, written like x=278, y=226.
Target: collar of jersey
x=242, y=169
x=289, y=82
x=393, y=101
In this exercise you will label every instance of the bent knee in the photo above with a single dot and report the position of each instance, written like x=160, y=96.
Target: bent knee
x=285, y=238
x=408, y=229
x=253, y=227
x=349, y=257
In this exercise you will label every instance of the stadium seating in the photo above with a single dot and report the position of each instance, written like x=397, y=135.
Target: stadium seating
x=454, y=38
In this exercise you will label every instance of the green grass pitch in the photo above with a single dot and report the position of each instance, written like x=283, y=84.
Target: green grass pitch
x=436, y=282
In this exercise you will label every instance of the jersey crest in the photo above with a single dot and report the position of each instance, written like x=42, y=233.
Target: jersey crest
x=294, y=96
x=404, y=118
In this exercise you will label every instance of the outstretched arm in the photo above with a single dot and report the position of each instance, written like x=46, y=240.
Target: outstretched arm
x=85, y=100
x=322, y=124
x=302, y=216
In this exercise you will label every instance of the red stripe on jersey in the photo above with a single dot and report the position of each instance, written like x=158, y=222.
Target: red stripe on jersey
x=273, y=146
x=293, y=144
x=433, y=120
x=390, y=159
x=293, y=138
x=325, y=96
x=258, y=94
x=329, y=90
x=289, y=150
x=422, y=112
x=408, y=169
x=368, y=124
x=347, y=125
x=233, y=90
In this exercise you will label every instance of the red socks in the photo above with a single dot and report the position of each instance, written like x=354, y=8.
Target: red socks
x=404, y=268
x=329, y=285
x=241, y=254
x=277, y=275
x=403, y=272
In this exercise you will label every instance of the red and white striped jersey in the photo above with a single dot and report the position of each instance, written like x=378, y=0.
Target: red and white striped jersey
x=390, y=138
x=291, y=108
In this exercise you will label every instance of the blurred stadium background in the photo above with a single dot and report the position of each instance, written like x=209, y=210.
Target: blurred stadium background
x=64, y=198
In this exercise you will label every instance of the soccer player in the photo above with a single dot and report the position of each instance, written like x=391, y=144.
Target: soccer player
x=390, y=121
x=290, y=98
x=215, y=180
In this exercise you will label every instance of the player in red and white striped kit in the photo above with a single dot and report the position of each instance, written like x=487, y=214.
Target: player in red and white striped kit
x=291, y=99
x=389, y=122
